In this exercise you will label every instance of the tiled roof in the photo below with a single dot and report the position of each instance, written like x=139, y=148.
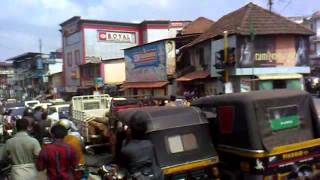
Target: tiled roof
x=262, y=21
x=197, y=26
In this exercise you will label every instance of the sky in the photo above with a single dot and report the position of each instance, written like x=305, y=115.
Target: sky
x=24, y=22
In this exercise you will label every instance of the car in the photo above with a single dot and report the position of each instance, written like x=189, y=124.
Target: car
x=121, y=103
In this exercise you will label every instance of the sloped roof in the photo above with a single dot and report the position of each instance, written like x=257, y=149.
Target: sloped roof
x=261, y=20
x=200, y=25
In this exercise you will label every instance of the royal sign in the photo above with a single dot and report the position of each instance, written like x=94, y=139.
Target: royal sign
x=123, y=37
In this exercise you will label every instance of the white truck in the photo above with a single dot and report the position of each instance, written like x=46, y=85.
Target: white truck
x=89, y=113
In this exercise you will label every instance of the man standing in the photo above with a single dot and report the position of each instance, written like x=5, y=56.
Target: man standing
x=23, y=150
x=58, y=158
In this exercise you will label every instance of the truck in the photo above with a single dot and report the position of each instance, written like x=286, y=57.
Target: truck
x=89, y=113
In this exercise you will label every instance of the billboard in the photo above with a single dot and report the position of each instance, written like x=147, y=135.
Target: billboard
x=146, y=63
x=273, y=51
x=171, y=57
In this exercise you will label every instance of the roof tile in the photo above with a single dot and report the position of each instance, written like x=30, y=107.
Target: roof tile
x=263, y=22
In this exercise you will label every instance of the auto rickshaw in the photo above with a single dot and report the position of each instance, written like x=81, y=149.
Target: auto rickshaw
x=181, y=137
x=264, y=135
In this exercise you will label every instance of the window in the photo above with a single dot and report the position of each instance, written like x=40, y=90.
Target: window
x=279, y=84
x=69, y=58
x=201, y=56
x=182, y=143
x=77, y=57
x=284, y=117
x=91, y=105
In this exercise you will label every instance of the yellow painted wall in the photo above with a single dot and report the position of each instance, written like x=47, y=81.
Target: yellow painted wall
x=114, y=72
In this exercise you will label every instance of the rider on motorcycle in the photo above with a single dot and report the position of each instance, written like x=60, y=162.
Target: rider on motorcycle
x=73, y=138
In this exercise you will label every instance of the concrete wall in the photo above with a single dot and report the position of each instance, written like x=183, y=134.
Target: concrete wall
x=106, y=49
x=156, y=34
x=71, y=44
x=114, y=72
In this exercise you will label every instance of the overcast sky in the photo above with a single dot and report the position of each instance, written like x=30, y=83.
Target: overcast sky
x=24, y=22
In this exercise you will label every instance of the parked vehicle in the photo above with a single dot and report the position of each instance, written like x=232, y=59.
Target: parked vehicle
x=181, y=138
x=11, y=101
x=57, y=112
x=56, y=101
x=264, y=134
x=31, y=104
x=89, y=114
x=44, y=105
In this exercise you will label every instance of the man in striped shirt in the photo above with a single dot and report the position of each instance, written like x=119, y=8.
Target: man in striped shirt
x=58, y=158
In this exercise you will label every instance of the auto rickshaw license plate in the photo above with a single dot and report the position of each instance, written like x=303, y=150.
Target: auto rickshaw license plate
x=294, y=154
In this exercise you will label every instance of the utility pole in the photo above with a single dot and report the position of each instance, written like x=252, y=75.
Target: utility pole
x=40, y=45
x=270, y=3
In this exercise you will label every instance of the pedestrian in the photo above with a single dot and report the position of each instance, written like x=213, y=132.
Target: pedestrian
x=58, y=158
x=41, y=128
x=137, y=153
x=23, y=150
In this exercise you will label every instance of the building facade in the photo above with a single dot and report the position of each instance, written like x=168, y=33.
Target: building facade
x=152, y=68
x=29, y=71
x=261, y=50
x=87, y=42
x=314, y=23
x=6, y=80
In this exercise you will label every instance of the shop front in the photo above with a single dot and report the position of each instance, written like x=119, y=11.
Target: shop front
x=271, y=81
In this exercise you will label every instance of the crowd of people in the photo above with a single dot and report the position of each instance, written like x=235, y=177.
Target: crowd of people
x=32, y=158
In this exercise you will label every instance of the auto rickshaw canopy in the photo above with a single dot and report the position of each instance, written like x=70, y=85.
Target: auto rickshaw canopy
x=180, y=134
x=162, y=118
x=261, y=120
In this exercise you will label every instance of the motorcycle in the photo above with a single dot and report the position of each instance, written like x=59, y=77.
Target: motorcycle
x=112, y=172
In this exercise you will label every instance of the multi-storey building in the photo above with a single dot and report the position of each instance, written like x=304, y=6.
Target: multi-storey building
x=87, y=42
x=6, y=79
x=248, y=49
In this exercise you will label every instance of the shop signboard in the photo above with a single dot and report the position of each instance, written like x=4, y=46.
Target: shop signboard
x=99, y=81
x=146, y=63
x=121, y=37
x=273, y=51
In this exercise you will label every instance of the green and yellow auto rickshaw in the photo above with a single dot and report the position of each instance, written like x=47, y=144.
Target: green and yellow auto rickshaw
x=264, y=135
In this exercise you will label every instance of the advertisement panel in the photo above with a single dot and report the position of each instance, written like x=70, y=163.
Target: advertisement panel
x=146, y=63
x=274, y=51
x=171, y=57
x=102, y=44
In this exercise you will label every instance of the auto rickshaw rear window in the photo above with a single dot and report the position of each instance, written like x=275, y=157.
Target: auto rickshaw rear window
x=285, y=117
x=182, y=143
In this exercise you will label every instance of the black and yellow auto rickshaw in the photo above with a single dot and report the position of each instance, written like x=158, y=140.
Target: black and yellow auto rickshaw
x=264, y=134
x=181, y=137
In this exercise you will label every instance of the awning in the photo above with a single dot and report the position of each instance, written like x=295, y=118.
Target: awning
x=143, y=85
x=278, y=76
x=194, y=75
